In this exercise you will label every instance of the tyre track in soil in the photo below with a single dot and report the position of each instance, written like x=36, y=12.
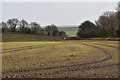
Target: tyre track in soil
x=107, y=53
x=108, y=45
x=102, y=45
x=61, y=71
x=23, y=48
x=18, y=47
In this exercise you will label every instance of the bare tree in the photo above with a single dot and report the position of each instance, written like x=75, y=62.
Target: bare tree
x=118, y=29
x=36, y=28
x=108, y=23
x=22, y=26
x=4, y=27
x=12, y=23
x=52, y=30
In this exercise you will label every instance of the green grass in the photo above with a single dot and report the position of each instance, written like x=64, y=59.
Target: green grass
x=69, y=33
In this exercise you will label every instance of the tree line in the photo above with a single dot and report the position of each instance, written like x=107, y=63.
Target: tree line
x=107, y=25
x=15, y=26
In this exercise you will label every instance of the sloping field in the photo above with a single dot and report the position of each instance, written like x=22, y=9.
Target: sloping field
x=73, y=33
x=7, y=37
x=69, y=30
x=61, y=59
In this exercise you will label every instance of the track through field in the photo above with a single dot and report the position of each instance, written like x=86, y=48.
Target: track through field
x=77, y=66
x=108, y=45
x=23, y=48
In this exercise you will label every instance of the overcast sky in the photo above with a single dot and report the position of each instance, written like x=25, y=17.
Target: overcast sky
x=58, y=13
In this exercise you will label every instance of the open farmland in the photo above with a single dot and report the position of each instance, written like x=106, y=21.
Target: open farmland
x=60, y=59
x=69, y=30
x=8, y=37
x=71, y=33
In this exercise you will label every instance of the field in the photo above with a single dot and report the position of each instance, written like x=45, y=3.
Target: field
x=60, y=59
x=69, y=30
x=7, y=37
x=69, y=33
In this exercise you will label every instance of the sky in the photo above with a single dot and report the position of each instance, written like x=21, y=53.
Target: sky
x=59, y=0
x=58, y=13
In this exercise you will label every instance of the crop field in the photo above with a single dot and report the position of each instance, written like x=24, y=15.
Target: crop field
x=60, y=59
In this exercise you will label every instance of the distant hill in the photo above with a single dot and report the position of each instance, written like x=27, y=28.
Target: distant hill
x=68, y=28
